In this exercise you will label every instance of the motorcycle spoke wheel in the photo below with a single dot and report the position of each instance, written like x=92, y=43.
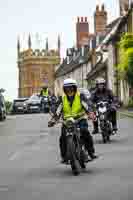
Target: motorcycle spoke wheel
x=71, y=153
x=108, y=138
x=104, y=137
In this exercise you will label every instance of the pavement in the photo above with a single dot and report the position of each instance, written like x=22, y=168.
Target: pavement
x=126, y=112
x=30, y=167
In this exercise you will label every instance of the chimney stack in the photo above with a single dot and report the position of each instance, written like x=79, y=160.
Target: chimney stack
x=100, y=20
x=82, y=31
x=85, y=19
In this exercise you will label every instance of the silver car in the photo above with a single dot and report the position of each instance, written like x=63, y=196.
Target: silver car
x=19, y=106
x=33, y=104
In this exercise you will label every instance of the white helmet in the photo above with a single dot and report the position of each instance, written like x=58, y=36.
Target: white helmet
x=69, y=82
x=100, y=81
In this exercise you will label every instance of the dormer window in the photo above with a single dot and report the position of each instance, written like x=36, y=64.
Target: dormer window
x=68, y=60
x=82, y=51
x=74, y=55
x=69, y=52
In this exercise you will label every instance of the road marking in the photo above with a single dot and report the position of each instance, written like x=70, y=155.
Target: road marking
x=4, y=188
x=15, y=155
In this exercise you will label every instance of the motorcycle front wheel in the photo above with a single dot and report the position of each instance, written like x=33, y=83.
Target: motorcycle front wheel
x=71, y=155
x=105, y=136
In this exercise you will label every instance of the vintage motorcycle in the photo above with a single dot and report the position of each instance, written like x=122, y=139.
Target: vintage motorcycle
x=102, y=115
x=76, y=154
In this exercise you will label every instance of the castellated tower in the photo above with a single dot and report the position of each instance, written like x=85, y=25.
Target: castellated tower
x=82, y=31
x=36, y=68
x=100, y=20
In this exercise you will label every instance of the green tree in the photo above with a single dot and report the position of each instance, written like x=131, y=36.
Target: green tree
x=130, y=66
x=125, y=66
x=8, y=105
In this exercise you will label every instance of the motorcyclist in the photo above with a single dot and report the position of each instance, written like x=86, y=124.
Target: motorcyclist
x=44, y=91
x=102, y=93
x=74, y=104
x=53, y=103
x=53, y=98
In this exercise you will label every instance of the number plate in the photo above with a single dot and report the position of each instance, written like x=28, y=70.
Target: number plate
x=34, y=107
x=20, y=108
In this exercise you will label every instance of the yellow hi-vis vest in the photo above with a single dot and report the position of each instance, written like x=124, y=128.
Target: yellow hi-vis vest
x=45, y=93
x=76, y=110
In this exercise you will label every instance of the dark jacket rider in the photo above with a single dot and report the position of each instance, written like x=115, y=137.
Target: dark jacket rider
x=73, y=104
x=101, y=93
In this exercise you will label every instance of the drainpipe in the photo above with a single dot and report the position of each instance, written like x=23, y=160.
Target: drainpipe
x=82, y=76
x=132, y=16
x=116, y=72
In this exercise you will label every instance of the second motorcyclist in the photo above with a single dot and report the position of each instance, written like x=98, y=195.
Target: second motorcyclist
x=102, y=93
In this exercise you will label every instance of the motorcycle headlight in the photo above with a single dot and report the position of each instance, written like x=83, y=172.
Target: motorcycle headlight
x=101, y=117
x=70, y=126
x=70, y=129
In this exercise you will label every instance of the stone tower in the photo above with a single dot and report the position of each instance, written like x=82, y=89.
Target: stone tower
x=82, y=31
x=36, y=68
x=100, y=20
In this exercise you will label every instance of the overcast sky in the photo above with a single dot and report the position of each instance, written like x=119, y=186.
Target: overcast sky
x=45, y=17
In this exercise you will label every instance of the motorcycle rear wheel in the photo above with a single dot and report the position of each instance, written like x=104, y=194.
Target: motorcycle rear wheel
x=82, y=160
x=104, y=137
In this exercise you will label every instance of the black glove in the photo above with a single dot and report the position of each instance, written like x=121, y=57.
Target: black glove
x=51, y=123
x=113, y=107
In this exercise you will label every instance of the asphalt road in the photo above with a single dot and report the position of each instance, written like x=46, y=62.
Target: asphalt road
x=30, y=166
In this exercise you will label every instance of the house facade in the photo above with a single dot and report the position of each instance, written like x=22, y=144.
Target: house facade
x=80, y=60
x=111, y=54
x=120, y=87
x=74, y=66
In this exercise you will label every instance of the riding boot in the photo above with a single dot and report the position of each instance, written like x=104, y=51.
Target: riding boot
x=89, y=145
x=95, y=125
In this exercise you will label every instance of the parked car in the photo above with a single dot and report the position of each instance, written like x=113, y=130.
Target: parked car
x=2, y=108
x=19, y=106
x=33, y=104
